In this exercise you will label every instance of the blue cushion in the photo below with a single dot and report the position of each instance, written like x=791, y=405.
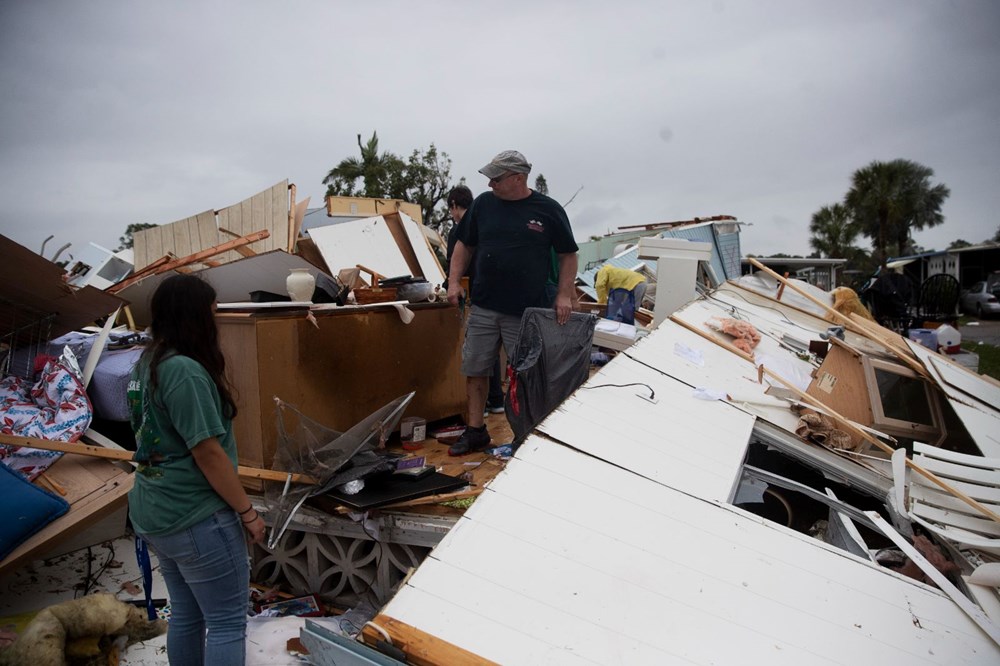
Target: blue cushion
x=28, y=509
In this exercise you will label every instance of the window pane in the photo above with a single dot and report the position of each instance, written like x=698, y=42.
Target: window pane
x=903, y=398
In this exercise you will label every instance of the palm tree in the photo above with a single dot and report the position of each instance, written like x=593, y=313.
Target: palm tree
x=889, y=199
x=833, y=232
x=378, y=173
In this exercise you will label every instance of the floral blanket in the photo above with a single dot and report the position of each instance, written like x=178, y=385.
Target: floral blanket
x=55, y=407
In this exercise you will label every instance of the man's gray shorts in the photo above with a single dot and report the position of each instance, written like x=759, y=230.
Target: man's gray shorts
x=483, y=334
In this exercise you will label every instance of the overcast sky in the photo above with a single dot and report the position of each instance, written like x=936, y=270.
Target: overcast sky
x=122, y=112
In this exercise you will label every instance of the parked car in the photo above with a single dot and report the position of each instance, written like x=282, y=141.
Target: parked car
x=981, y=299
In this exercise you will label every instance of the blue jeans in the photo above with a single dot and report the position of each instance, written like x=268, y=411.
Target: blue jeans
x=207, y=573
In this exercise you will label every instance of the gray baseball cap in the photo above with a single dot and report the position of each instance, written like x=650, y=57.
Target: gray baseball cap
x=509, y=161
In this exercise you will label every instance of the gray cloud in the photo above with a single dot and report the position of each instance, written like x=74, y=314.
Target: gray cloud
x=117, y=112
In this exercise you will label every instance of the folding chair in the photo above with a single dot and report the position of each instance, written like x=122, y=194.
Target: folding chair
x=941, y=512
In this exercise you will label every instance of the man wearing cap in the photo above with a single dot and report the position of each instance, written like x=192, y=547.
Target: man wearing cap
x=511, y=233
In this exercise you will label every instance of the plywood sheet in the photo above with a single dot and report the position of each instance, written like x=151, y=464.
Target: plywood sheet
x=28, y=280
x=566, y=559
x=368, y=242
x=267, y=209
x=429, y=264
x=181, y=238
x=95, y=488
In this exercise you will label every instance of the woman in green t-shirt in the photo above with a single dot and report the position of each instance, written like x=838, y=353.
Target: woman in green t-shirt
x=187, y=502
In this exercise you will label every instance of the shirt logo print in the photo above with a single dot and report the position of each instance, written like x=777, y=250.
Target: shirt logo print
x=535, y=225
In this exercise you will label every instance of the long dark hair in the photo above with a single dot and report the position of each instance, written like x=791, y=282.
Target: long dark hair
x=184, y=323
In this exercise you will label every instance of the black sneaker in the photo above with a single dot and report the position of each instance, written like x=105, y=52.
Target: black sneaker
x=472, y=440
x=495, y=409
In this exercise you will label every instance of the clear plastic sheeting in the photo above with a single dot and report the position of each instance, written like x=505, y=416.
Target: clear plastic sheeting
x=550, y=362
x=332, y=458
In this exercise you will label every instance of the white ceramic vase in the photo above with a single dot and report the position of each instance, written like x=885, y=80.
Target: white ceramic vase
x=300, y=284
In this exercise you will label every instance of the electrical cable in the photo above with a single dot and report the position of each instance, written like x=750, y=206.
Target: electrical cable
x=652, y=394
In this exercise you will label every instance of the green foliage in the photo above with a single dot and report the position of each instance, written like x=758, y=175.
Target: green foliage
x=424, y=178
x=541, y=185
x=888, y=200
x=989, y=357
x=958, y=244
x=125, y=240
x=996, y=236
x=833, y=232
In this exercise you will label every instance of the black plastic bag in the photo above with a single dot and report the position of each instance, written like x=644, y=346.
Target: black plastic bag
x=549, y=363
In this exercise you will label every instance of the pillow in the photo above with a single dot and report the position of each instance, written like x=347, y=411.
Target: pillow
x=28, y=509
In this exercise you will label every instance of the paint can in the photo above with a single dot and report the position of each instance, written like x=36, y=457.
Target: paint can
x=413, y=429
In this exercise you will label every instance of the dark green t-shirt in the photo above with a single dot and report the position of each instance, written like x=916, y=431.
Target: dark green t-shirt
x=170, y=492
x=514, y=242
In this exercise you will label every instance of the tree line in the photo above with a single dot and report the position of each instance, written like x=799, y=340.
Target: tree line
x=887, y=202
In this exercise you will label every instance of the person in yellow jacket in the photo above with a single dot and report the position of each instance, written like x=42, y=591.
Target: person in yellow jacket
x=611, y=277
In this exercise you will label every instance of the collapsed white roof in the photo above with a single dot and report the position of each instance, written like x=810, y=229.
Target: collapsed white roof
x=610, y=537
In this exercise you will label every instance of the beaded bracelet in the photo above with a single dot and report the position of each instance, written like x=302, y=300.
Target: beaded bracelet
x=246, y=511
x=255, y=517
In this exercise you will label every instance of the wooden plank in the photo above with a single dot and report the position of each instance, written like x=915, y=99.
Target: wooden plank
x=429, y=264
x=260, y=215
x=840, y=383
x=280, y=210
x=421, y=648
x=90, y=500
x=191, y=259
x=178, y=242
x=395, y=225
x=300, y=213
x=204, y=230
x=122, y=454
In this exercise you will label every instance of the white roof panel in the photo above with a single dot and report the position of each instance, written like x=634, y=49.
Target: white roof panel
x=566, y=559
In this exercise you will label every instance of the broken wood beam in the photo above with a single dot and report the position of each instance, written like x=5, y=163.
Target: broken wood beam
x=843, y=421
x=127, y=456
x=191, y=258
x=243, y=250
x=853, y=323
x=421, y=648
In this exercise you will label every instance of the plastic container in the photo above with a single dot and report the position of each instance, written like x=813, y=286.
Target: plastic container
x=412, y=431
x=949, y=340
x=925, y=336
